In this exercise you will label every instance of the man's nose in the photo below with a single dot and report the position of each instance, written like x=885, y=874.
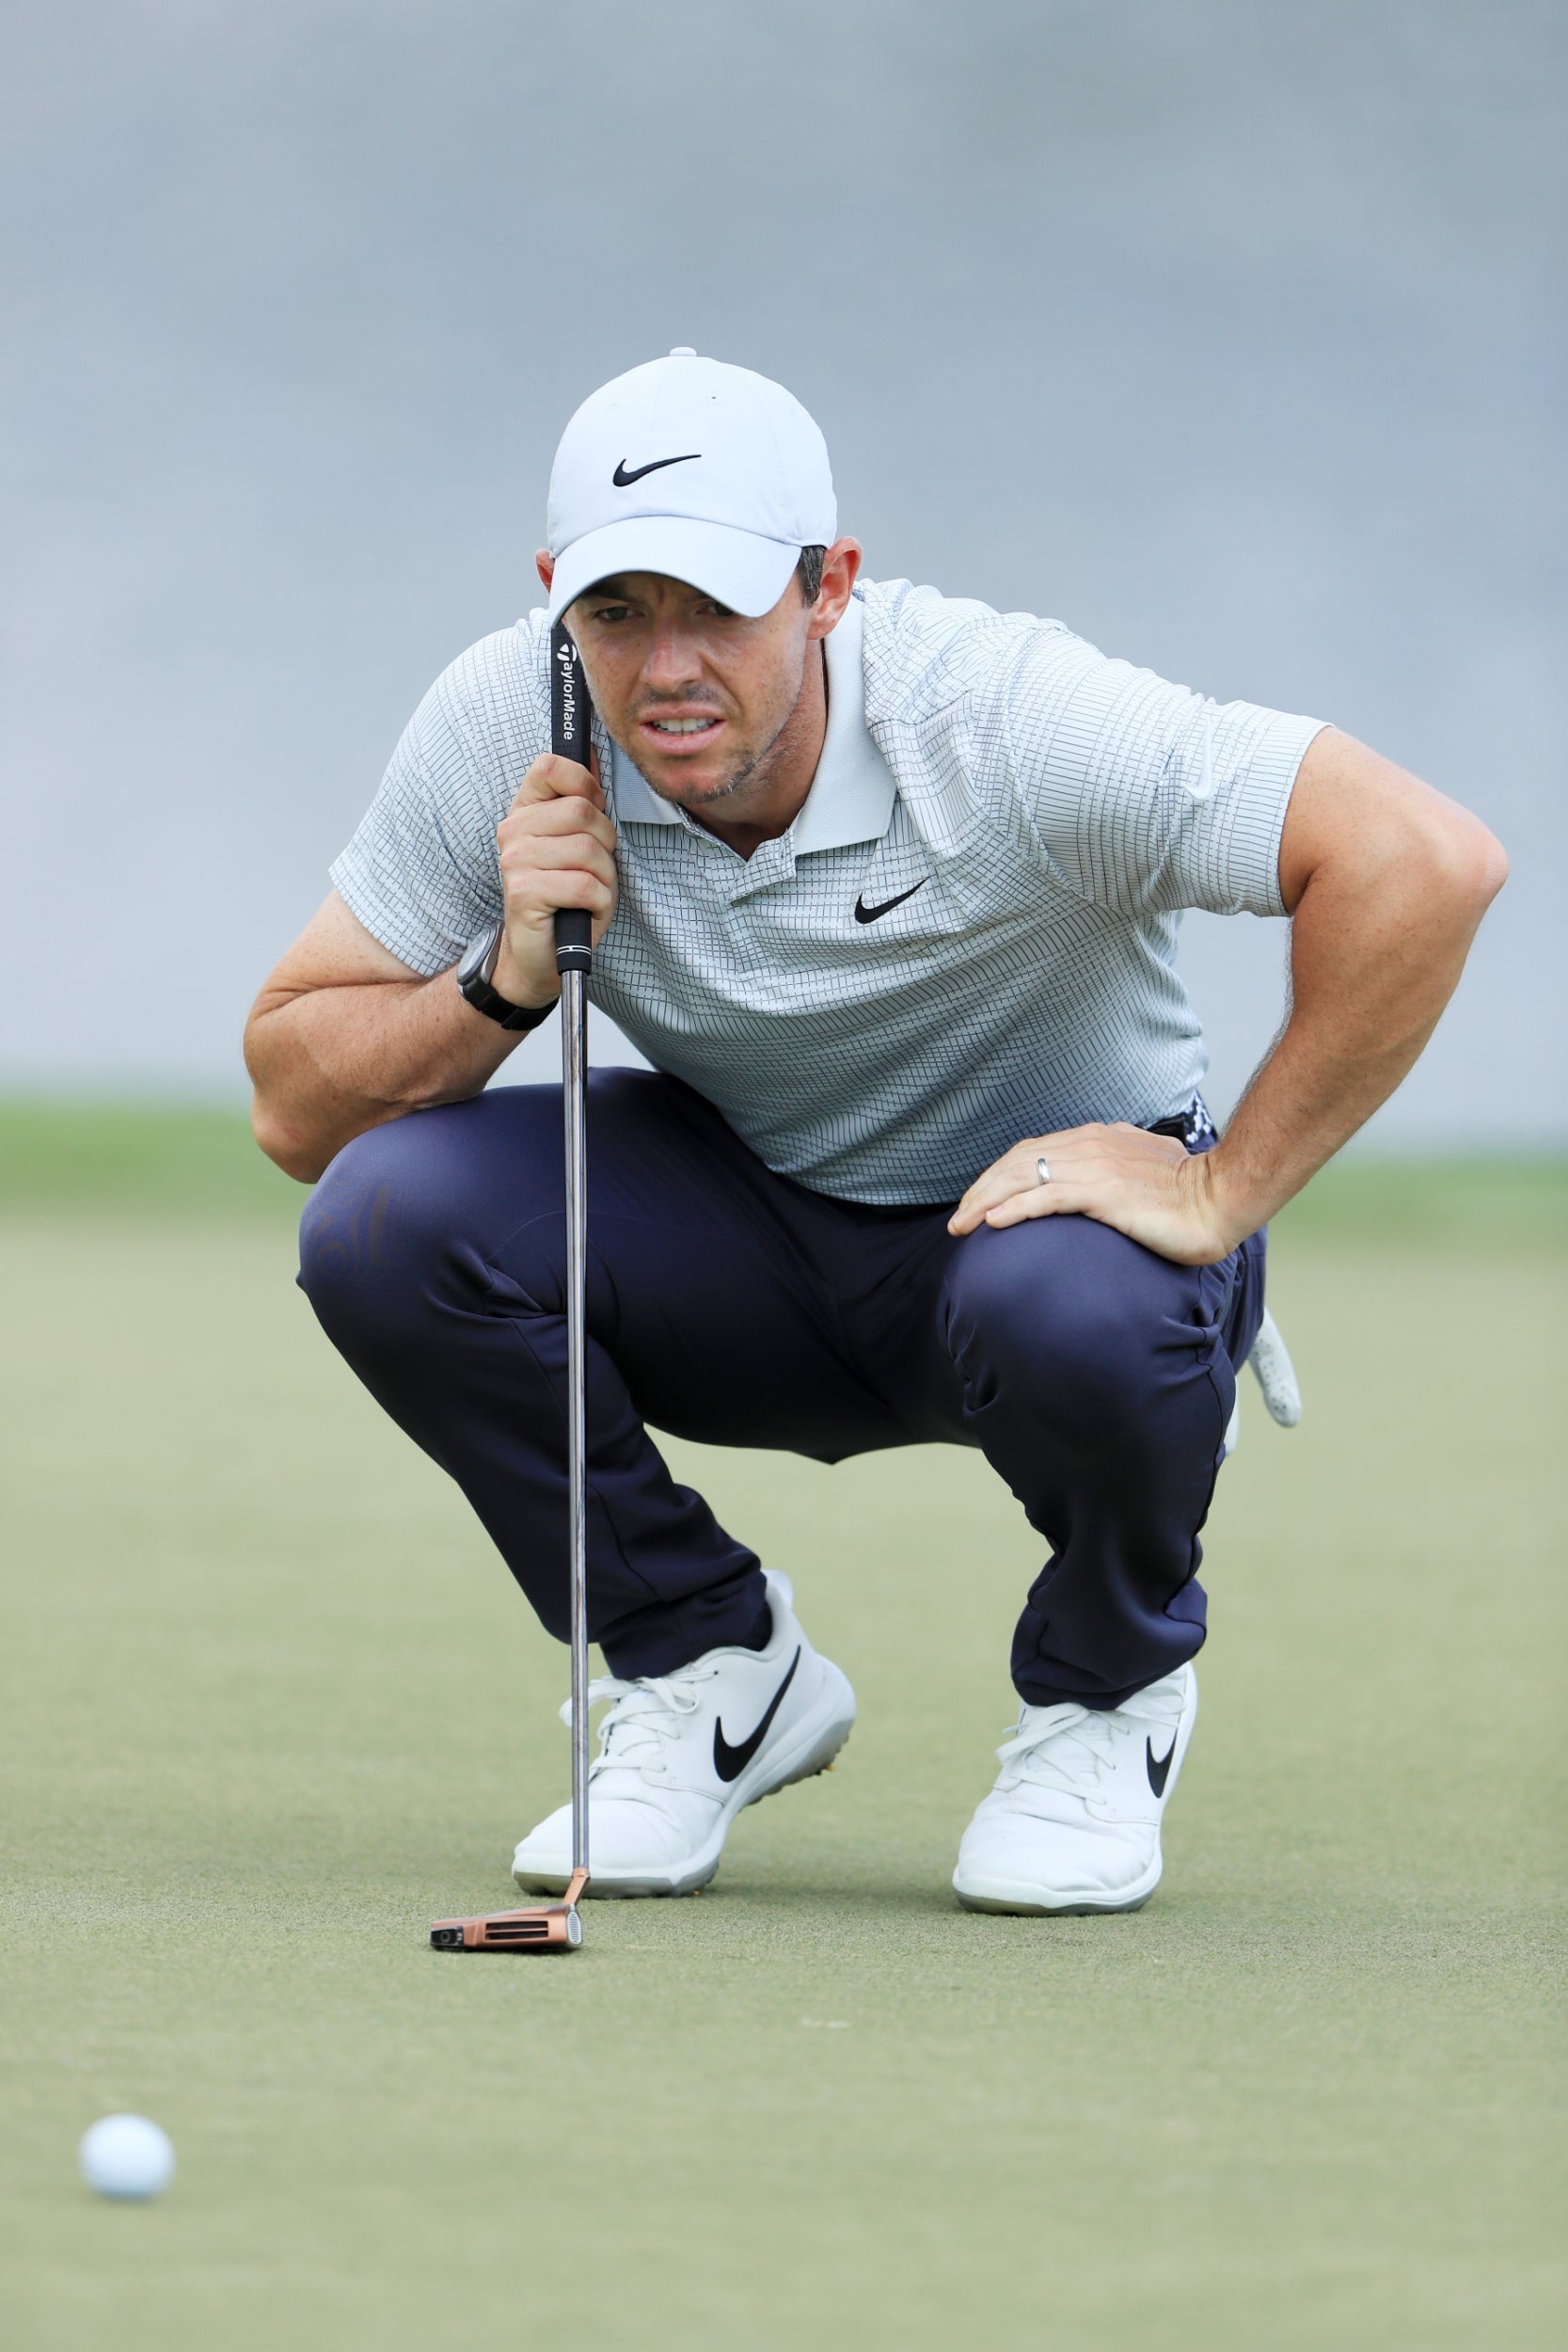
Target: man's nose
x=671, y=663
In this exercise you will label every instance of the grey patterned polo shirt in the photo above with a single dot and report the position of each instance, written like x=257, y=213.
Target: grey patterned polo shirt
x=967, y=936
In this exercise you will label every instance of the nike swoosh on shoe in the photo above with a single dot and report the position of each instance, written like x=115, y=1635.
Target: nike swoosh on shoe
x=729, y=1763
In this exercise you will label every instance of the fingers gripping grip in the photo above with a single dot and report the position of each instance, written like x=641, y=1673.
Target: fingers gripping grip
x=571, y=725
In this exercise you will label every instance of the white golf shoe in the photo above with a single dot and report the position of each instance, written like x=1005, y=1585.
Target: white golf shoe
x=681, y=1753
x=1074, y=1821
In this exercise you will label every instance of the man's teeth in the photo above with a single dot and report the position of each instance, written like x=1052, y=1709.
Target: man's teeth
x=681, y=727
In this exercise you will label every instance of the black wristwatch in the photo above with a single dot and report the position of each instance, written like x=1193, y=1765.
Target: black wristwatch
x=473, y=985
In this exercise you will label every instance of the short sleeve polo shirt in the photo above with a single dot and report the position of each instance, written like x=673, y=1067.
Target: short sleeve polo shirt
x=967, y=935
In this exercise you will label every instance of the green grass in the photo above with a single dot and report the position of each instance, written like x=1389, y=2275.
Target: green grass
x=173, y=1161
x=267, y=1705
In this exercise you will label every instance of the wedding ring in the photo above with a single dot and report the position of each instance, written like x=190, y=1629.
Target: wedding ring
x=1043, y=1171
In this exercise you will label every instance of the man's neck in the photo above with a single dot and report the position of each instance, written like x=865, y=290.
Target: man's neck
x=767, y=804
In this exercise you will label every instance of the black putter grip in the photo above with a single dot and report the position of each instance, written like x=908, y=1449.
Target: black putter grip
x=571, y=728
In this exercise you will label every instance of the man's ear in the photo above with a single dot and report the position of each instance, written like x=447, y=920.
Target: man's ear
x=840, y=568
x=544, y=563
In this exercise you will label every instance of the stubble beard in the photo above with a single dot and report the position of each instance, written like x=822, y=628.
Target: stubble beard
x=750, y=765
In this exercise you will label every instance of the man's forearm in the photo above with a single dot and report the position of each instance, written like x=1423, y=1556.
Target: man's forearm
x=1375, y=954
x=327, y=1063
x=1387, y=882
x=344, y=1036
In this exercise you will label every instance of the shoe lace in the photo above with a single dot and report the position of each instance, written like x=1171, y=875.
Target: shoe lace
x=646, y=1709
x=1060, y=1747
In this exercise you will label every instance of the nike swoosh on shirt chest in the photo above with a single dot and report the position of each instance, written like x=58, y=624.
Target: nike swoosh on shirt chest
x=875, y=913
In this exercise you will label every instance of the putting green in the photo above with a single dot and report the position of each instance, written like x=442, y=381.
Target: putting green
x=269, y=1704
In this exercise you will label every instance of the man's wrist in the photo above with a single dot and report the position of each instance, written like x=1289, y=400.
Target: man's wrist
x=521, y=988
x=1222, y=1201
x=485, y=984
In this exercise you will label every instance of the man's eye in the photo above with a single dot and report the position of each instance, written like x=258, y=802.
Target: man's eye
x=613, y=612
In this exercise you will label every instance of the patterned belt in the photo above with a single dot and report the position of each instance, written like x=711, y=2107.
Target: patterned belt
x=1194, y=1127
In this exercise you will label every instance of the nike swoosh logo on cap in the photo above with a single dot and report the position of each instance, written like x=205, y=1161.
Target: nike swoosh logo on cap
x=869, y=914
x=623, y=477
x=729, y=1763
x=1159, y=1774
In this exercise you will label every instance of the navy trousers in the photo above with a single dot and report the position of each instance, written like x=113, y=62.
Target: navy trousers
x=730, y=1305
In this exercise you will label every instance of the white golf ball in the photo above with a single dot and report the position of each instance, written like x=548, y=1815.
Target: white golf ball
x=125, y=2155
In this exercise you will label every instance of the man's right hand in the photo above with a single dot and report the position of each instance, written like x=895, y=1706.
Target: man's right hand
x=557, y=849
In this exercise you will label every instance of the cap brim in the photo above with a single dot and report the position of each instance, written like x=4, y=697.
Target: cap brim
x=748, y=573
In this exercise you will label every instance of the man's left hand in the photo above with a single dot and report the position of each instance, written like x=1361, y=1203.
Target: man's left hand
x=1149, y=1187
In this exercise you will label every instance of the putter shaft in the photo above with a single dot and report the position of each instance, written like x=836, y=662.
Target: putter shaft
x=574, y=1056
x=555, y=1926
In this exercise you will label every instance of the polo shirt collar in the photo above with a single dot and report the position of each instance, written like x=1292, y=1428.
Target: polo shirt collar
x=852, y=792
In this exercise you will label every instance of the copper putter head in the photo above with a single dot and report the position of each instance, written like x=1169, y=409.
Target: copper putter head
x=547, y=1927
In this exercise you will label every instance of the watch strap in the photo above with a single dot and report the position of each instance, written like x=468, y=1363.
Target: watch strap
x=475, y=988
x=496, y=1006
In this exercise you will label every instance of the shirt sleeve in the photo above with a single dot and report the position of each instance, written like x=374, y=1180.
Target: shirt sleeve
x=1143, y=796
x=421, y=872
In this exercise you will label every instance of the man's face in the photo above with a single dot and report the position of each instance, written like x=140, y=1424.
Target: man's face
x=699, y=697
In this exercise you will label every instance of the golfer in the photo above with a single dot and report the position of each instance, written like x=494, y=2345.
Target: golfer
x=886, y=888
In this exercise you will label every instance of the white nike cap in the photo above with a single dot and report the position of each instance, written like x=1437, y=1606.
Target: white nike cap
x=704, y=472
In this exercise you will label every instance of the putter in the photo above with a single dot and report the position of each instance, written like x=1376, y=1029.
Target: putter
x=557, y=1927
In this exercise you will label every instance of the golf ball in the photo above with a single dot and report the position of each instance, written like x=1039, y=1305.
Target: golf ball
x=125, y=2155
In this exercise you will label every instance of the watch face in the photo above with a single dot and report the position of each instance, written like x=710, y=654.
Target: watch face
x=477, y=955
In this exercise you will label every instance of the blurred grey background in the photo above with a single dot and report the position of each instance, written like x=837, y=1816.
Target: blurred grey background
x=1230, y=334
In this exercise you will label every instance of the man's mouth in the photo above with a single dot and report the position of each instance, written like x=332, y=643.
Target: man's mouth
x=688, y=733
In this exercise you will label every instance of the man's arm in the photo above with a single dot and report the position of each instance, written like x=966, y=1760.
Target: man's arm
x=344, y=1037
x=1387, y=882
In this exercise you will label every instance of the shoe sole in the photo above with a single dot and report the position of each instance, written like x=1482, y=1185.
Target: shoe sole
x=1022, y=1901
x=815, y=1740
